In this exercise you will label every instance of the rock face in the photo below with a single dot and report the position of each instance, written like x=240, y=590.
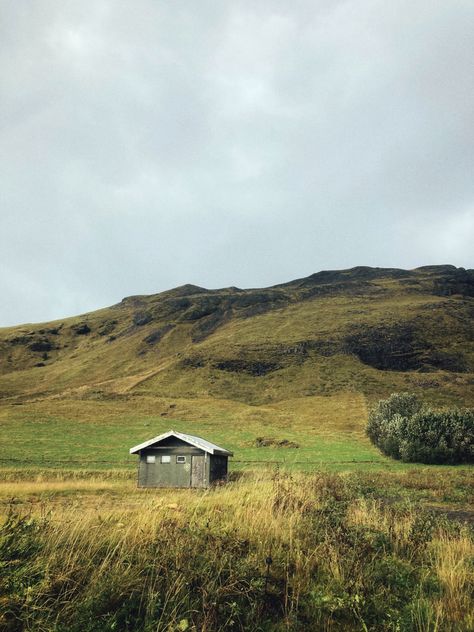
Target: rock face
x=142, y=318
x=82, y=329
x=255, y=367
x=401, y=348
x=41, y=345
x=157, y=335
x=388, y=348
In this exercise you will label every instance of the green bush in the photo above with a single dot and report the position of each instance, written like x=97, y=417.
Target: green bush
x=404, y=428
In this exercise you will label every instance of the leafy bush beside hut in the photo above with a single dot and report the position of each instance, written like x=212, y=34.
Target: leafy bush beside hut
x=405, y=428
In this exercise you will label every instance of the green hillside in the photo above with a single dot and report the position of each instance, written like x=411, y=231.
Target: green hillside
x=282, y=373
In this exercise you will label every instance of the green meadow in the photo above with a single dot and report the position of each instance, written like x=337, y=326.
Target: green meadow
x=99, y=434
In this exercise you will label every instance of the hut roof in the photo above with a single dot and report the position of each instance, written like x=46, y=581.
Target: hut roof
x=198, y=442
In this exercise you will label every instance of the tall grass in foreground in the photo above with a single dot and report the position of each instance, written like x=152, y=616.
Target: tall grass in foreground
x=270, y=551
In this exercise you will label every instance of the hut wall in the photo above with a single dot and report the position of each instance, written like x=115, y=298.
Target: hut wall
x=168, y=474
x=217, y=468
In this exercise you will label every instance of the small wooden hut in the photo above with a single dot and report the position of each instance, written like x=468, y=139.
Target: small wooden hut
x=174, y=459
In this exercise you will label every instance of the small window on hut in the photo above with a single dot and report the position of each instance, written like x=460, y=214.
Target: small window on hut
x=150, y=458
x=180, y=459
x=165, y=459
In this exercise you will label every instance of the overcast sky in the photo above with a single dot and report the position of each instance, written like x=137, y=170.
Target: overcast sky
x=145, y=144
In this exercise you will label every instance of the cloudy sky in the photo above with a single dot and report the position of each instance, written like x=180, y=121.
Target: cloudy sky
x=145, y=144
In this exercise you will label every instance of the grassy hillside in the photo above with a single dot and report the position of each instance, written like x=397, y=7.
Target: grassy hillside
x=296, y=363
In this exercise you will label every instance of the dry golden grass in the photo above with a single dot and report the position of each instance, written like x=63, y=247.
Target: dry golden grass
x=94, y=528
x=18, y=489
x=453, y=560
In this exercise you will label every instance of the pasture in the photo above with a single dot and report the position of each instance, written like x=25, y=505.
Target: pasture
x=357, y=541
x=96, y=434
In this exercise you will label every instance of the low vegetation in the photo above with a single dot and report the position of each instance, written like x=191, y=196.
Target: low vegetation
x=269, y=551
x=404, y=428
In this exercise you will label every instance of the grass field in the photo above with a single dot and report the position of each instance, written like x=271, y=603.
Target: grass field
x=357, y=541
x=86, y=432
x=329, y=432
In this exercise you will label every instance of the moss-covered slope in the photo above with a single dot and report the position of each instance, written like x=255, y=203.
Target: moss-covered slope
x=369, y=330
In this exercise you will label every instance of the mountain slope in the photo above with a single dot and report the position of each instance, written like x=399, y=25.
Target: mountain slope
x=363, y=329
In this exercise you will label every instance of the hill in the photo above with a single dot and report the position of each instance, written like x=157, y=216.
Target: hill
x=253, y=369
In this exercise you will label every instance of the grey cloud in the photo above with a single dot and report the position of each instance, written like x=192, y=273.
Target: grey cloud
x=144, y=145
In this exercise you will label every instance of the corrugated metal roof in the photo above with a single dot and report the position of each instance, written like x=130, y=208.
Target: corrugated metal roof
x=198, y=442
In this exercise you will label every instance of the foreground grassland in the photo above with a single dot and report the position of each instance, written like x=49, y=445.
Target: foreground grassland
x=86, y=551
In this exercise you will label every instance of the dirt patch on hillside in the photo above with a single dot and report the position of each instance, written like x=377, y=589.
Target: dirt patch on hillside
x=270, y=442
x=460, y=515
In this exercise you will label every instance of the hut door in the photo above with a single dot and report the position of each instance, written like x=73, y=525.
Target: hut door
x=198, y=472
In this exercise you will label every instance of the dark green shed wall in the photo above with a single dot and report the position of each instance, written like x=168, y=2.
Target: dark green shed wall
x=200, y=469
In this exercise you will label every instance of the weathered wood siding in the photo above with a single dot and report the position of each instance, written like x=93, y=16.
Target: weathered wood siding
x=172, y=474
x=200, y=469
x=199, y=477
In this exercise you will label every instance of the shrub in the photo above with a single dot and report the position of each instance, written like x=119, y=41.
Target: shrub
x=404, y=428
